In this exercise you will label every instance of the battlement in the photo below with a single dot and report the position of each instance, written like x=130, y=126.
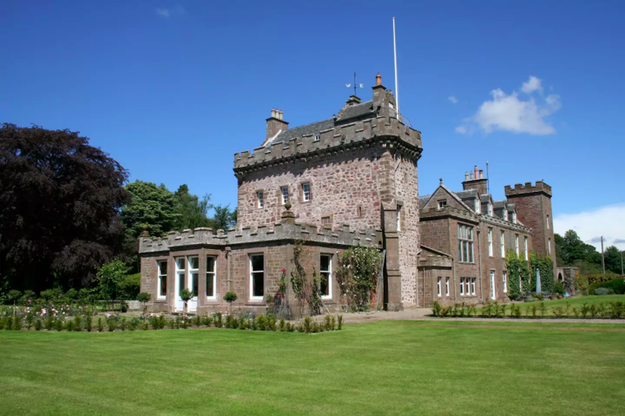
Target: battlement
x=329, y=140
x=342, y=235
x=528, y=188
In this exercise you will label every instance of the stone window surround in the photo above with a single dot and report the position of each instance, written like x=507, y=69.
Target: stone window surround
x=333, y=288
x=251, y=298
x=260, y=199
x=504, y=280
x=467, y=286
x=281, y=194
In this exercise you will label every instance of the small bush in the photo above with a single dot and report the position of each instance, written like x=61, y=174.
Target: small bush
x=230, y=297
x=616, y=285
x=339, y=322
x=218, y=320
x=307, y=324
x=38, y=325
x=559, y=288
x=436, y=308
x=100, y=324
x=558, y=311
x=602, y=291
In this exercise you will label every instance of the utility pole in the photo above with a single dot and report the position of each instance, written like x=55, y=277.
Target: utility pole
x=602, y=256
x=622, y=261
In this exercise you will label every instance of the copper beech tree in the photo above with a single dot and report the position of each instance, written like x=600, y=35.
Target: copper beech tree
x=60, y=200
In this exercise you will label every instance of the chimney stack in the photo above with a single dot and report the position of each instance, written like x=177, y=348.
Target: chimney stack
x=379, y=93
x=475, y=180
x=276, y=123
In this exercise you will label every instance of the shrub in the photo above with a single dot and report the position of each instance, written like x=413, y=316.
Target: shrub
x=218, y=320
x=559, y=288
x=339, y=321
x=58, y=324
x=543, y=309
x=242, y=323
x=261, y=322
x=436, y=308
x=616, y=285
x=77, y=323
x=17, y=323
x=134, y=324
x=617, y=309
x=123, y=324
x=100, y=324
x=197, y=320
x=207, y=320
x=558, y=311
x=307, y=324
x=602, y=291
x=230, y=297
x=38, y=325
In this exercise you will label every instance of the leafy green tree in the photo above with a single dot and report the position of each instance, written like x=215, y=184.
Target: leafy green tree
x=60, y=200
x=612, y=260
x=111, y=278
x=223, y=219
x=152, y=208
x=192, y=210
x=571, y=249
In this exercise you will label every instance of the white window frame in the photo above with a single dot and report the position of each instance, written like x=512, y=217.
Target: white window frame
x=306, y=196
x=504, y=280
x=190, y=273
x=259, y=199
x=516, y=245
x=490, y=242
x=505, y=214
x=252, y=271
x=447, y=286
x=489, y=208
x=493, y=294
x=462, y=286
x=477, y=206
x=399, y=207
x=438, y=285
x=549, y=247
x=467, y=284
x=180, y=272
x=159, y=282
x=502, y=243
x=284, y=192
x=548, y=221
x=473, y=286
x=214, y=275
x=514, y=217
x=328, y=273
x=527, y=255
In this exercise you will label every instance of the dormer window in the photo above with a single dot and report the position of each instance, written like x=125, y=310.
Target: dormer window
x=477, y=206
x=489, y=207
x=317, y=137
x=513, y=217
x=442, y=204
x=505, y=214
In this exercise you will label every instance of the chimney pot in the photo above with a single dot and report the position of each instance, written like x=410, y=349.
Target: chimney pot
x=471, y=176
x=378, y=79
x=466, y=176
x=481, y=174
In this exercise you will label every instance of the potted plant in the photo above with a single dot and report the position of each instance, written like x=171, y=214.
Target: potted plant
x=186, y=295
x=230, y=297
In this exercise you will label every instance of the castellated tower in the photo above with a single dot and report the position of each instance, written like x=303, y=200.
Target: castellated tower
x=358, y=168
x=533, y=206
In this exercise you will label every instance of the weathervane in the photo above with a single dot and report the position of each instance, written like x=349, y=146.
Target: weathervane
x=355, y=85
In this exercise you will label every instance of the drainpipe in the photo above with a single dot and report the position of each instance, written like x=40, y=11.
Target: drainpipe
x=228, y=250
x=479, y=253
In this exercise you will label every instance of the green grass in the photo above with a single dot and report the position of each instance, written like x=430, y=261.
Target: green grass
x=391, y=367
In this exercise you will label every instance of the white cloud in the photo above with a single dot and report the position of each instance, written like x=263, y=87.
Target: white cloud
x=507, y=112
x=533, y=84
x=453, y=99
x=608, y=221
x=176, y=11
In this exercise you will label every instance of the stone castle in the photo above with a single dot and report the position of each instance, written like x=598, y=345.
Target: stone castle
x=350, y=180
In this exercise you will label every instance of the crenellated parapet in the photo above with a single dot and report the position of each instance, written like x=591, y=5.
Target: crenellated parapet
x=528, y=188
x=341, y=236
x=386, y=130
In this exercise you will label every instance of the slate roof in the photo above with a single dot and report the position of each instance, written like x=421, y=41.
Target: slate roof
x=353, y=112
x=423, y=200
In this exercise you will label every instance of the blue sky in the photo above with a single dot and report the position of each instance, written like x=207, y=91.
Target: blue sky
x=173, y=89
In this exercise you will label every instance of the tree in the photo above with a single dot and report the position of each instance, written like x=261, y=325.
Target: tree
x=60, y=200
x=612, y=260
x=110, y=279
x=192, y=210
x=572, y=249
x=223, y=219
x=151, y=208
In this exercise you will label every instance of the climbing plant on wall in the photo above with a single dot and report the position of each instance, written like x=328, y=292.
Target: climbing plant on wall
x=357, y=276
x=517, y=271
x=545, y=265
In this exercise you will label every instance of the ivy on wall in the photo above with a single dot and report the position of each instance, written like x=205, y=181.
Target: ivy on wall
x=517, y=271
x=545, y=265
x=357, y=276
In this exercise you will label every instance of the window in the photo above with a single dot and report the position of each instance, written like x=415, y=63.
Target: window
x=257, y=276
x=359, y=211
x=194, y=271
x=439, y=286
x=514, y=217
x=399, y=217
x=489, y=207
x=492, y=284
x=259, y=199
x=467, y=284
x=306, y=192
x=326, y=221
x=505, y=214
x=473, y=286
x=162, y=280
x=180, y=273
x=447, y=286
x=502, y=243
x=490, y=242
x=527, y=256
x=504, y=281
x=465, y=243
x=442, y=204
x=516, y=244
x=477, y=207
x=547, y=221
x=211, y=277
x=462, y=286
x=549, y=246
x=326, y=274
x=317, y=137
x=284, y=190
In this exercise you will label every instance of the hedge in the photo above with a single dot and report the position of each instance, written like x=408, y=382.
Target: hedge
x=617, y=285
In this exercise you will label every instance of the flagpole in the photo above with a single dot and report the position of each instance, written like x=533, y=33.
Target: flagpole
x=396, y=85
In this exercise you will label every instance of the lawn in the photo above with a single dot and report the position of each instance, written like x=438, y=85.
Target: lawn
x=388, y=367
